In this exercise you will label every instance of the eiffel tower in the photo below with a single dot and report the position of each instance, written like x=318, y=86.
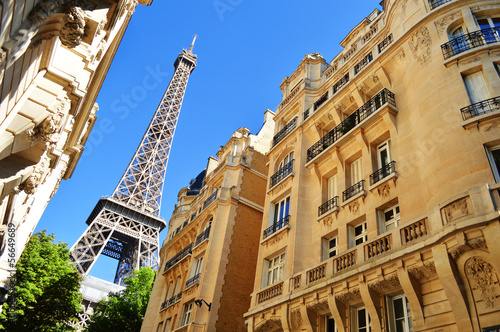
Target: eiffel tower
x=126, y=226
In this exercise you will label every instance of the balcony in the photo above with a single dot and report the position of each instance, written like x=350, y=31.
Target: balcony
x=382, y=173
x=210, y=199
x=343, y=81
x=378, y=246
x=384, y=43
x=276, y=226
x=193, y=280
x=380, y=99
x=483, y=107
x=321, y=100
x=269, y=293
x=328, y=205
x=285, y=131
x=178, y=257
x=469, y=41
x=202, y=237
x=171, y=301
x=358, y=188
x=281, y=173
x=363, y=63
x=436, y=3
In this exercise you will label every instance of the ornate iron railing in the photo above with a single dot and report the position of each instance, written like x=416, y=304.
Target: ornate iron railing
x=362, y=64
x=306, y=113
x=370, y=107
x=281, y=173
x=483, y=107
x=202, y=236
x=285, y=131
x=469, y=41
x=437, y=3
x=384, y=43
x=343, y=81
x=328, y=205
x=384, y=172
x=354, y=190
x=210, y=199
x=193, y=280
x=179, y=256
x=276, y=226
x=321, y=100
x=164, y=305
x=174, y=299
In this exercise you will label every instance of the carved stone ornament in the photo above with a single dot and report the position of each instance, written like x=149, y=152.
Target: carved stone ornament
x=3, y=62
x=385, y=284
x=349, y=296
x=384, y=191
x=354, y=207
x=43, y=10
x=328, y=221
x=340, y=107
x=375, y=78
x=425, y=270
x=492, y=125
x=474, y=59
x=482, y=276
x=73, y=30
x=319, y=306
x=269, y=325
x=296, y=318
x=401, y=55
x=444, y=22
x=456, y=209
x=274, y=240
x=420, y=45
x=36, y=178
x=351, y=99
x=363, y=87
x=48, y=129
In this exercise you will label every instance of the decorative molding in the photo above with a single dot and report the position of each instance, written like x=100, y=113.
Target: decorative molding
x=354, y=207
x=423, y=271
x=268, y=325
x=386, y=283
x=319, y=306
x=457, y=209
x=491, y=125
x=43, y=11
x=37, y=177
x=444, y=22
x=48, y=129
x=384, y=191
x=349, y=296
x=375, y=78
x=340, y=108
x=363, y=87
x=3, y=63
x=328, y=221
x=296, y=317
x=474, y=59
x=401, y=55
x=481, y=276
x=274, y=240
x=420, y=45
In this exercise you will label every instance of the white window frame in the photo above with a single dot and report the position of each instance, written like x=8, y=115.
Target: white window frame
x=170, y=290
x=490, y=21
x=327, y=249
x=279, y=210
x=196, y=267
x=406, y=318
x=495, y=169
x=168, y=322
x=356, y=171
x=275, y=269
x=355, y=320
x=186, y=315
x=381, y=148
x=331, y=184
x=286, y=160
x=327, y=318
x=362, y=236
x=395, y=221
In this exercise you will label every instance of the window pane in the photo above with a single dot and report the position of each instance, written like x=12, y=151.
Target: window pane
x=483, y=23
x=333, y=243
x=330, y=325
x=361, y=318
x=398, y=308
x=496, y=158
x=496, y=21
x=358, y=230
x=400, y=325
x=389, y=215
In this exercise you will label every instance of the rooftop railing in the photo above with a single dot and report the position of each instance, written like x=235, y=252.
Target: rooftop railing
x=483, y=107
x=370, y=107
x=353, y=191
x=276, y=226
x=382, y=173
x=469, y=41
x=179, y=256
x=328, y=205
x=281, y=173
x=285, y=131
x=437, y=3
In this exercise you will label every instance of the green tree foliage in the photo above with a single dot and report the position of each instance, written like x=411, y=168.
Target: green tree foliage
x=46, y=289
x=123, y=311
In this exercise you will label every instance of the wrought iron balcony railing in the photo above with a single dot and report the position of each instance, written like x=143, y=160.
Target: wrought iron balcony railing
x=328, y=205
x=281, y=173
x=193, y=280
x=362, y=64
x=276, y=226
x=321, y=100
x=202, y=237
x=469, y=41
x=164, y=305
x=375, y=103
x=384, y=43
x=437, y=3
x=483, y=107
x=285, y=131
x=171, y=301
x=179, y=256
x=382, y=173
x=343, y=81
x=210, y=199
x=353, y=191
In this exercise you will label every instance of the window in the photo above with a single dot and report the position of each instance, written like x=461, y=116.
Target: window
x=186, y=316
x=357, y=234
x=383, y=154
x=281, y=210
x=330, y=247
x=490, y=36
x=476, y=86
x=286, y=160
x=390, y=218
x=332, y=187
x=399, y=314
x=493, y=154
x=197, y=265
x=330, y=324
x=167, y=325
x=160, y=327
x=361, y=320
x=170, y=290
x=356, y=171
x=276, y=269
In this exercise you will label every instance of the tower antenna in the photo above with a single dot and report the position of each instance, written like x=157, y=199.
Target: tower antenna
x=192, y=44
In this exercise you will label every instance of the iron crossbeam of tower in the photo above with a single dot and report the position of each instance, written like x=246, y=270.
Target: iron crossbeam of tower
x=126, y=226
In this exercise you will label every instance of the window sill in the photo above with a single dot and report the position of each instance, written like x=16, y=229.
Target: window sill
x=392, y=176
x=335, y=209
x=474, y=122
x=281, y=230
x=355, y=197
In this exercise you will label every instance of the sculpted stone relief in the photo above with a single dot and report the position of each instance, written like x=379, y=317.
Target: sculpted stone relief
x=349, y=296
x=401, y=55
x=386, y=284
x=426, y=270
x=296, y=318
x=482, y=278
x=456, y=209
x=420, y=45
x=37, y=177
x=354, y=207
x=444, y=22
x=72, y=32
x=319, y=306
x=48, y=129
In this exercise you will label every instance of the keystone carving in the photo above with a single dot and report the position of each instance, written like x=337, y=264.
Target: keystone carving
x=74, y=27
x=48, y=129
x=482, y=276
x=384, y=190
x=420, y=45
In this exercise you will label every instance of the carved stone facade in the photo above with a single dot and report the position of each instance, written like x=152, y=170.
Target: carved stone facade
x=42, y=134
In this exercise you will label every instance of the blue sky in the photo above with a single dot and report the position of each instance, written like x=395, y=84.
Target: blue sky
x=245, y=49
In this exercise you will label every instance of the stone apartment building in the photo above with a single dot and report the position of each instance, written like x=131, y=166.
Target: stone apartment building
x=208, y=259
x=382, y=204
x=54, y=56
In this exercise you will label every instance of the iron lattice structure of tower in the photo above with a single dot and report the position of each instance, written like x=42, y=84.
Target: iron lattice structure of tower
x=126, y=226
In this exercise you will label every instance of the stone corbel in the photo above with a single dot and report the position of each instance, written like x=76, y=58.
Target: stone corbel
x=371, y=299
x=362, y=140
x=336, y=154
x=305, y=318
x=48, y=130
x=383, y=77
x=37, y=177
x=338, y=310
x=73, y=30
x=411, y=288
